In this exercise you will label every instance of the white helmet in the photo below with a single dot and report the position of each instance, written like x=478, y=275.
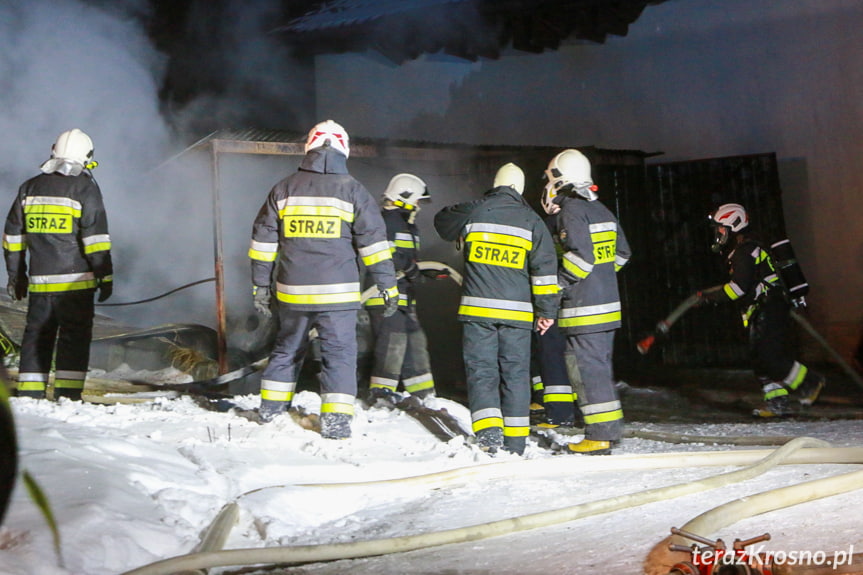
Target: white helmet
x=510, y=175
x=732, y=216
x=726, y=219
x=570, y=167
x=331, y=134
x=74, y=146
x=406, y=191
x=70, y=154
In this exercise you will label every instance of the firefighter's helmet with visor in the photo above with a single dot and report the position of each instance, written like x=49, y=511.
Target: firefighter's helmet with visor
x=406, y=191
x=569, y=171
x=727, y=219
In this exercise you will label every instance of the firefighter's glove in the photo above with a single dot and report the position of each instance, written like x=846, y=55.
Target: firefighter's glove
x=262, y=300
x=17, y=288
x=391, y=304
x=412, y=272
x=105, y=290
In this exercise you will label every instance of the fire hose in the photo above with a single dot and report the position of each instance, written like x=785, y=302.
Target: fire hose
x=663, y=327
x=661, y=558
x=795, y=449
x=158, y=297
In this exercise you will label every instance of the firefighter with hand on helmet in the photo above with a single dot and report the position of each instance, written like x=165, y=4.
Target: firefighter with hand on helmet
x=400, y=349
x=59, y=218
x=594, y=249
x=306, y=240
x=510, y=288
x=757, y=288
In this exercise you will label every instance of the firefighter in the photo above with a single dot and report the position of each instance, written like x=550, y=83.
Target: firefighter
x=558, y=397
x=306, y=241
x=59, y=218
x=400, y=351
x=757, y=288
x=594, y=250
x=510, y=287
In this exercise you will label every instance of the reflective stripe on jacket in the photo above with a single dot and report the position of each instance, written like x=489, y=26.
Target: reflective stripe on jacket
x=404, y=243
x=510, y=263
x=311, y=228
x=594, y=249
x=752, y=276
x=61, y=221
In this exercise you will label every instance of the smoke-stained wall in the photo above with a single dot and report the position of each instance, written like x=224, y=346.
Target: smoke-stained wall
x=693, y=79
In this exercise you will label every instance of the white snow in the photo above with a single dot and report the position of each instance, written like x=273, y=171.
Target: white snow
x=132, y=484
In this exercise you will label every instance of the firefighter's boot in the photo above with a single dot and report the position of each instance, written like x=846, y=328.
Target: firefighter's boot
x=490, y=439
x=69, y=393
x=590, y=447
x=336, y=425
x=270, y=409
x=810, y=389
x=778, y=406
x=384, y=394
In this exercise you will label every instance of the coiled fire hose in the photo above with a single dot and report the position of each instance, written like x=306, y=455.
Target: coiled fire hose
x=799, y=450
x=661, y=557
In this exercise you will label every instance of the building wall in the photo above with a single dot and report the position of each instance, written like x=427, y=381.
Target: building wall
x=693, y=79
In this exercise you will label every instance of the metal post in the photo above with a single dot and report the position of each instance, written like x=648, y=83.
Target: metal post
x=219, y=265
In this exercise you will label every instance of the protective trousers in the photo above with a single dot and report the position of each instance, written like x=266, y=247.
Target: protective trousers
x=497, y=365
x=401, y=353
x=588, y=361
x=772, y=348
x=336, y=332
x=63, y=322
x=558, y=396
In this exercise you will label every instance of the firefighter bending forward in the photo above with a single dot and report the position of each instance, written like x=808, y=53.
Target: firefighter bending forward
x=58, y=216
x=306, y=239
x=510, y=273
x=757, y=289
x=594, y=249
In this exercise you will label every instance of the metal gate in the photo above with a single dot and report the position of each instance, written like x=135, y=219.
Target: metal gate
x=666, y=222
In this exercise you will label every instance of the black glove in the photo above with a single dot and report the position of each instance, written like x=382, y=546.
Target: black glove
x=262, y=300
x=391, y=304
x=105, y=290
x=412, y=272
x=17, y=288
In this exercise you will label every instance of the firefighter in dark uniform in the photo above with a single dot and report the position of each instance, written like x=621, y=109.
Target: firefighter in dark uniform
x=510, y=287
x=305, y=240
x=401, y=349
x=757, y=288
x=558, y=397
x=595, y=249
x=59, y=218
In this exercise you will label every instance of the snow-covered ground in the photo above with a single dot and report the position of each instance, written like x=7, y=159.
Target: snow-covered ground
x=132, y=484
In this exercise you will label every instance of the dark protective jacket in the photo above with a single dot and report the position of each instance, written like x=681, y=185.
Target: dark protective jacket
x=61, y=221
x=510, y=262
x=404, y=242
x=594, y=250
x=311, y=229
x=752, y=278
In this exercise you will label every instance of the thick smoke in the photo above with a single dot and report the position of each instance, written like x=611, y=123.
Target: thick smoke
x=91, y=65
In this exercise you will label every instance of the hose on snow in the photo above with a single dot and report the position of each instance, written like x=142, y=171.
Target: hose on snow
x=328, y=552
x=661, y=558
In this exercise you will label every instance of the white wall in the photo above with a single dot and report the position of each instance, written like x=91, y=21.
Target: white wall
x=693, y=79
